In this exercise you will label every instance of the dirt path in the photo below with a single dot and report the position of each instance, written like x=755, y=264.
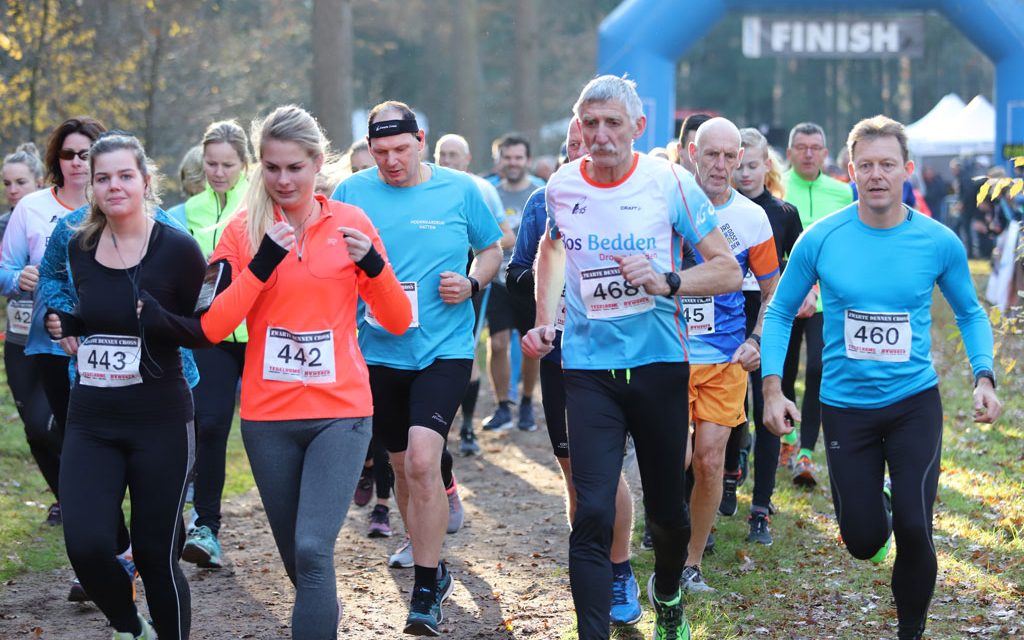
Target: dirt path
x=508, y=560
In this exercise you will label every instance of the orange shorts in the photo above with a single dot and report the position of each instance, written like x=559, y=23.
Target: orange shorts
x=717, y=392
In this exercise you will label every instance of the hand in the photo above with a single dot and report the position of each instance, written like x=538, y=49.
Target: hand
x=638, y=271
x=539, y=341
x=29, y=278
x=455, y=287
x=986, y=405
x=357, y=242
x=809, y=306
x=779, y=412
x=748, y=355
x=69, y=345
x=52, y=324
x=283, y=234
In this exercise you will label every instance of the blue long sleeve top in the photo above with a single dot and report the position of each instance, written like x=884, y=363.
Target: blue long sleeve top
x=876, y=285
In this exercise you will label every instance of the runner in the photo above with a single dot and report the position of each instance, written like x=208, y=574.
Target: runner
x=130, y=416
x=225, y=160
x=616, y=218
x=191, y=181
x=505, y=313
x=24, y=241
x=815, y=195
x=880, y=400
x=721, y=354
x=452, y=151
x=758, y=178
x=625, y=608
x=419, y=378
x=23, y=174
x=305, y=395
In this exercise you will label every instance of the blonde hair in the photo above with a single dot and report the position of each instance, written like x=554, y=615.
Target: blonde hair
x=191, y=176
x=290, y=123
x=28, y=155
x=878, y=127
x=233, y=134
x=753, y=139
x=95, y=220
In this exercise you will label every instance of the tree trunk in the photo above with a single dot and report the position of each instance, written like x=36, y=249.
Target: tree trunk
x=527, y=69
x=332, y=69
x=152, y=83
x=37, y=67
x=468, y=82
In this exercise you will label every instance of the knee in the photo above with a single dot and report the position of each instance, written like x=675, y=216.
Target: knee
x=592, y=521
x=421, y=469
x=87, y=546
x=709, y=462
x=862, y=544
x=313, y=561
x=500, y=341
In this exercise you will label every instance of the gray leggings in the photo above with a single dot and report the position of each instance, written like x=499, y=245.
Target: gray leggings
x=306, y=472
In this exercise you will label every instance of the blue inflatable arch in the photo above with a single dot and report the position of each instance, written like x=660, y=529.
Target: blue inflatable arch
x=646, y=38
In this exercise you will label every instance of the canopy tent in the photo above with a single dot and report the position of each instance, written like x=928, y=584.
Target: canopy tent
x=953, y=129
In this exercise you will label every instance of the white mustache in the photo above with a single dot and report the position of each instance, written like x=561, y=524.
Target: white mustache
x=598, y=148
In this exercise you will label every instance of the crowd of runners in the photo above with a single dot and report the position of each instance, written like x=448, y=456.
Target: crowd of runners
x=662, y=300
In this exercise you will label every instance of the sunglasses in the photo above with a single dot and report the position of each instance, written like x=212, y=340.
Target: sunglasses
x=68, y=154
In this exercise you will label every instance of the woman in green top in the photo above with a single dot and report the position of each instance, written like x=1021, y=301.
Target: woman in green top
x=225, y=160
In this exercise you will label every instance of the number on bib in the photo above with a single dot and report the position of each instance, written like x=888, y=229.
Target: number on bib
x=886, y=337
x=699, y=313
x=607, y=295
x=306, y=357
x=19, y=316
x=109, y=361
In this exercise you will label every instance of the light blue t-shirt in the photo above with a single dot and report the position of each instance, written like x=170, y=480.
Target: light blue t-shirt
x=426, y=229
x=876, y=285
x=610, y=325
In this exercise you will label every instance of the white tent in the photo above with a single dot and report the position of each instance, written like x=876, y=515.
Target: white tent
x=952, y=128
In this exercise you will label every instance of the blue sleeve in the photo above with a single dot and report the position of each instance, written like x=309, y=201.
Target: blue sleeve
x=530, y=231
x=909, y=198
x=14, y=253
x=798, y=278
x=692, y=214
x=957, y=286
x=483, y=228
x=55, y=288
x=175, y=216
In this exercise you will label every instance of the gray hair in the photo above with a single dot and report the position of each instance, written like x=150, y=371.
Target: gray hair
x=807, y=129
x=451, y=137
x=609, y=88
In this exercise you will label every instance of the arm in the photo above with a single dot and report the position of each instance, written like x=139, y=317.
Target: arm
x=484, y=237
x=719, y=273
x=55, y=288
x=538, y=341
x=957, y=287
x=376, y=280
x=508, y=239
x=519, y=274
x=749, y=353
x=14, y=256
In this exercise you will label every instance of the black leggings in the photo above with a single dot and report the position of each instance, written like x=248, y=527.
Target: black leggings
x=140, y=438
x=53, y=372
x=220, y=369
x=650, y=403
x=810, y=410
x=43, y=436
x=552, y=389
x=906, y=436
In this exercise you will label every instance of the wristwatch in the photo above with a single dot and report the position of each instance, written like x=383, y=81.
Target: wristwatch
x=672, y=279
x=985, y=373
x=474, y=285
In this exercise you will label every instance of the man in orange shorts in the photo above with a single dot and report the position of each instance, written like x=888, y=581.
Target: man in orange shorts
x=719, y=356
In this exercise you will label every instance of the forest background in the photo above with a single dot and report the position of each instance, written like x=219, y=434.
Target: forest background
x=164, y=69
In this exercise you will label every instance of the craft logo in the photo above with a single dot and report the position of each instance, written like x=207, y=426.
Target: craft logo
x=580, y=207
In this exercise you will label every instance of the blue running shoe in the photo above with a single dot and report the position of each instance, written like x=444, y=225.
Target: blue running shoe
x=203, y=549
x=625, y=600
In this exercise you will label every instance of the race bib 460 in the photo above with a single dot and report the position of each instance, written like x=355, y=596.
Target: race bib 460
x=877, y=336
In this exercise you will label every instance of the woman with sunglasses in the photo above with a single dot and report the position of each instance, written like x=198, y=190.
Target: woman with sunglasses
x=25, y=240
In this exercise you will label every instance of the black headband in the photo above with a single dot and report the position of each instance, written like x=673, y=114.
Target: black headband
x=384, y=128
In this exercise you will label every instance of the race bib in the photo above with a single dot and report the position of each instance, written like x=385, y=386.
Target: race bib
x=877, y=336
x=306, y=357
x=414, y=301
x=109, y=361
x=607, y=295
x=19, y=316
x=560, y=314
x=699, y=313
